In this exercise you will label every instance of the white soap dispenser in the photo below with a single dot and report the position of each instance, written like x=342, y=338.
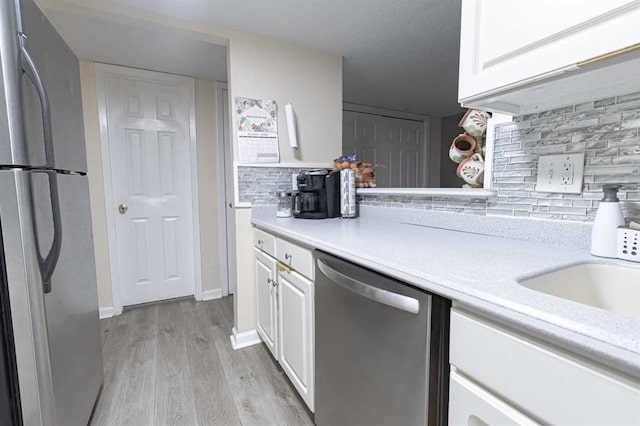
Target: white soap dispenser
x=604, y=235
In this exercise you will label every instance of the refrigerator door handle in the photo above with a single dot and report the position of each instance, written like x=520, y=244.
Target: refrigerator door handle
x=49, y=262
x=29, y=68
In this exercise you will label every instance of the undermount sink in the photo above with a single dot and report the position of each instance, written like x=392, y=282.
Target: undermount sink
x=611, y=287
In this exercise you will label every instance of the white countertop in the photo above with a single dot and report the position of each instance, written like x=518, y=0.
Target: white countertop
x=476, y=271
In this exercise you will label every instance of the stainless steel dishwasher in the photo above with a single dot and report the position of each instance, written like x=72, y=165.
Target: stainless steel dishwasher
x=381, y=348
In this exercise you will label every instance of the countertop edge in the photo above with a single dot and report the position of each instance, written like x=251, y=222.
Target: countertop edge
x=610, y=355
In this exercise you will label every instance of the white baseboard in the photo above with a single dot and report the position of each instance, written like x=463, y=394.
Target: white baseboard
x=106, y=312
x=244, y=339
x=216, y=293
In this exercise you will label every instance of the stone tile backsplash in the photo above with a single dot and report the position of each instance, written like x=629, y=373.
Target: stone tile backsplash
x=606, y=130
x=257, y=185
x=477, y=207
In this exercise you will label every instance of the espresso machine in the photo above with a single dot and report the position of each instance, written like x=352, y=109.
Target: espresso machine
x=318, y=195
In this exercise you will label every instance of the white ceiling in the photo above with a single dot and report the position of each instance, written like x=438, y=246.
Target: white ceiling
x=400, y=55
x=150, y=47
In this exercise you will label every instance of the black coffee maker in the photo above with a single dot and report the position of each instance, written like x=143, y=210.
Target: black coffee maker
x=318, y=195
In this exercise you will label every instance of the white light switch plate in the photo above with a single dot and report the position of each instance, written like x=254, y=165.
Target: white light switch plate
x=560, y=173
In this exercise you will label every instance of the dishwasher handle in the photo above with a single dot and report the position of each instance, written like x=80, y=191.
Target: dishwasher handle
x=398, y=301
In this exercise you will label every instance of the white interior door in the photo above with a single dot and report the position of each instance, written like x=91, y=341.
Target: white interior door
x=396, y=143
x=148, y=117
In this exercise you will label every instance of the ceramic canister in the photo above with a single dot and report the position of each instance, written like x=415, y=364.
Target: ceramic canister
x=472, y=170
x=474, y=122
x=463, y=146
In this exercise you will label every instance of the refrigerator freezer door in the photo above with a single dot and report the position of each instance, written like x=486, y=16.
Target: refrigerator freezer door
x=72, y=305
x=26, y=300
x=60, y=73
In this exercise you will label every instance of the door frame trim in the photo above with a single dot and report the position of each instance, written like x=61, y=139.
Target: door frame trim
x=226, y=255
x=101, y=71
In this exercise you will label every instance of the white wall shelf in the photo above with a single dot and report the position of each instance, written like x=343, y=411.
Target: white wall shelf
x=474, y=194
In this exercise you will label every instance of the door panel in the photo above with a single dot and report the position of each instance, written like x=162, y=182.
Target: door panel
x=295, y=297
x=267, y=301
x=470, y=404
x=396, y=144
x=149, y=139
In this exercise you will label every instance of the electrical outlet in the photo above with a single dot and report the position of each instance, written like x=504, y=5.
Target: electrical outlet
x=560, y=173
x=567, y=173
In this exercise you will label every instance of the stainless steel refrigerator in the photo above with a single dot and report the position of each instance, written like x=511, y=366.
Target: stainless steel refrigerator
x=50, y=343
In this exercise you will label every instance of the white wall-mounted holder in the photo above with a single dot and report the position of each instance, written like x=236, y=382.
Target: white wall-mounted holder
x=291, y=125
x=560, y=173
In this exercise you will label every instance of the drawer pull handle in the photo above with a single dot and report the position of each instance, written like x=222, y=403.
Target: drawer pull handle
x=281, y=267
x=260, y=242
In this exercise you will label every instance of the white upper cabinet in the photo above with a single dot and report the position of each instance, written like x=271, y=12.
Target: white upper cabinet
x=507, y=45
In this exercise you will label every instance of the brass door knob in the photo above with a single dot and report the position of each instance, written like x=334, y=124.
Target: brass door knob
x=123, y=208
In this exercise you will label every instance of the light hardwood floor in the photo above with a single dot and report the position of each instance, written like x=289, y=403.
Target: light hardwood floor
x=172, y=364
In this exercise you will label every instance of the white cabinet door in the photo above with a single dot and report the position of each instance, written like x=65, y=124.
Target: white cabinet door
x=267, y=300
x=295, y=297
x=471, y=405
x=559, y=388
x=505, y=43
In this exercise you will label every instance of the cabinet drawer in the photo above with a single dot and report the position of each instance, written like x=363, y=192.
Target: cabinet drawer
x=547, y=383
x=297, y=258
x=469, y=404
x=265, y=242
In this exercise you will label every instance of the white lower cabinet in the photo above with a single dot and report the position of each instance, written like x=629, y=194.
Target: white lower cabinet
x=285, y=313
x=498, y=375
x=267, y=300
x=295, y=299
x=471, y=405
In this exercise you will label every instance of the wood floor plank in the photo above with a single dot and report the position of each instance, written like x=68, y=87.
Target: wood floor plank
x=136, y=399
x=113, y=354
x=135, y=402
x=172, y=364
x=249, y=390
x=174, y=400
x=214, y=402
x=144, y=324
x=292, y=409
x=281, y=395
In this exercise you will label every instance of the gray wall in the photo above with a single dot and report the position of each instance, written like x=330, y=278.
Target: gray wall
x=450, y=130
